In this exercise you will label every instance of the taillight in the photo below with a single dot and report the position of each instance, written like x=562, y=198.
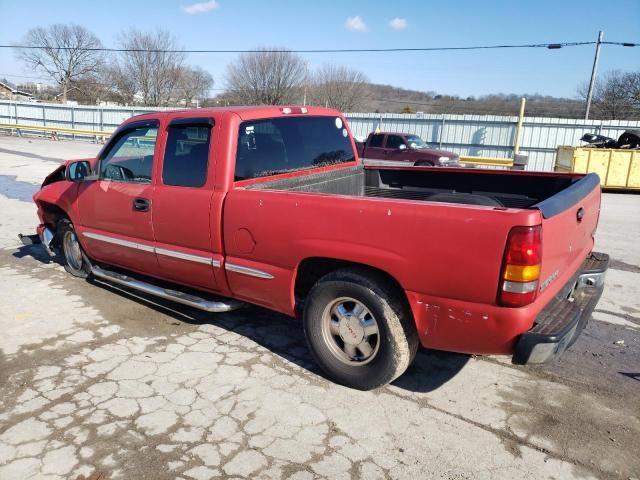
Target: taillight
x=520, y=273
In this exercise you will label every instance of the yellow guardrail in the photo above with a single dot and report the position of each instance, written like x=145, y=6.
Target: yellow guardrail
x=487, y=161
x=54, y=130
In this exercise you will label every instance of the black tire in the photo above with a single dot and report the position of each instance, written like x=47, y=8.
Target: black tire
x=396, y=342
x=81, y=268
x=424, y=163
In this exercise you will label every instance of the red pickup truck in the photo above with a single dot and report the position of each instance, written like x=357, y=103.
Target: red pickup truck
x=386, y=148
x=215, y=208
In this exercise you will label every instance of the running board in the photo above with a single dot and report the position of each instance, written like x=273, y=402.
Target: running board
x=173, y=295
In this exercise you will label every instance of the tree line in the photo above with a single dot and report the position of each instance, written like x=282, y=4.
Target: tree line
x=147, y=68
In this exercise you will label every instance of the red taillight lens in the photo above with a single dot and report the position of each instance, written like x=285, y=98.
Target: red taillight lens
x=521, y=267
x=524, y=246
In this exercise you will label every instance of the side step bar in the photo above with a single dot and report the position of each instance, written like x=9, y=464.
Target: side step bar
x=173, y=295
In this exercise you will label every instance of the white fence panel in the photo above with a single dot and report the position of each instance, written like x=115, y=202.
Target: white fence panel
x=479, y=135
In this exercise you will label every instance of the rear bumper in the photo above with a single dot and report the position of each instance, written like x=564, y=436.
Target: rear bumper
x=560, y=323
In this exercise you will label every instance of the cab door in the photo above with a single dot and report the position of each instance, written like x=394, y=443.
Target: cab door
x=396, y=148
x=182, y=214
x=116, y=209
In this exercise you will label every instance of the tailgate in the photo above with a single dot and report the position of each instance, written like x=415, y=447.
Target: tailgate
x=569, y=220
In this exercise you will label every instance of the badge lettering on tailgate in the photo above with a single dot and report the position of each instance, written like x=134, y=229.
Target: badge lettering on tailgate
x=548, y=280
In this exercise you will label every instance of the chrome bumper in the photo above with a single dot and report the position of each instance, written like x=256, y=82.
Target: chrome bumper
x=560, y=323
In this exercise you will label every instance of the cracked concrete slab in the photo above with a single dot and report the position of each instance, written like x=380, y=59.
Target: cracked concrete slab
x=96, y=378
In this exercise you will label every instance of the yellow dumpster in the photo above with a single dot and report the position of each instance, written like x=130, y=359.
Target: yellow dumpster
x=618, y=169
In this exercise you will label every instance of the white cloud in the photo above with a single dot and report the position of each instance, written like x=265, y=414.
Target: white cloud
x=200, y=7
x=398, y=23
x=356, y=24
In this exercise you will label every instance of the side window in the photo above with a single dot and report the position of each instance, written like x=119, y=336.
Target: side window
x=376, y=140
x=394, y=141
x=130, y=159
x=186, y=156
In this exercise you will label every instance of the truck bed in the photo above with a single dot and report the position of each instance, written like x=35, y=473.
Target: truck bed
x=474, y=187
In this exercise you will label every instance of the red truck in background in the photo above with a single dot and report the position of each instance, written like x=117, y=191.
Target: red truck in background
x=382, y=148
x=213, y=208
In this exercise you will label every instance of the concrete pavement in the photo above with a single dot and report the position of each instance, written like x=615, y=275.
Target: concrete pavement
x=97, y=379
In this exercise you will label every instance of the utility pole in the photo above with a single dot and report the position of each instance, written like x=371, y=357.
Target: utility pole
x=593, y=74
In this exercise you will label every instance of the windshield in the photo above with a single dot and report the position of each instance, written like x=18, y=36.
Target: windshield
x=416, y=142
x=288, y=144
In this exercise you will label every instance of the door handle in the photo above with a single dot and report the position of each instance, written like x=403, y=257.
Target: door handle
x=141, y=205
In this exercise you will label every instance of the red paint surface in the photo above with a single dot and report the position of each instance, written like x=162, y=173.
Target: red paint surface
x=446, y=257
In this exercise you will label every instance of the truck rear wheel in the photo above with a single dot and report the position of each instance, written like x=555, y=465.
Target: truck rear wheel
x=359, y=328
x=75, y=260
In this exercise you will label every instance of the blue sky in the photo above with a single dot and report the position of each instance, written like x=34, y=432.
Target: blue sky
x=246, y=24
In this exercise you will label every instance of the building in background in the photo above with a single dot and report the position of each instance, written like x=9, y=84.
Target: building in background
x=8, y=91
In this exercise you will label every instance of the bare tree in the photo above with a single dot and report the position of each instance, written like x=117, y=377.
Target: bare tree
x=123, y=85
x=195, y=84
x=631, y=86
x=89, y=90
x=66, y=53
x=615, y=95
x=268, y=76
x=339, y=87
x=152, y=64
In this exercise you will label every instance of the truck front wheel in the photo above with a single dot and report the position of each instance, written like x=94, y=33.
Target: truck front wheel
x=424, y=163
x=359, y=328
x=75, y=260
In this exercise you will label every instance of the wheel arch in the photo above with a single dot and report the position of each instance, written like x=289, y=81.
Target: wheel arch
x=311, y=269
x=51, y=213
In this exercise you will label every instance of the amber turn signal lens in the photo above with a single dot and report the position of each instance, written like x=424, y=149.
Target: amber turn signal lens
x=521, y=273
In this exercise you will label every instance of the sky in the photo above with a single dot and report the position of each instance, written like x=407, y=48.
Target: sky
x=331, y=24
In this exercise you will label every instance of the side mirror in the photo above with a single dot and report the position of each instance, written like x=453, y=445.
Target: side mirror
x=78, y=171
x=402, y=146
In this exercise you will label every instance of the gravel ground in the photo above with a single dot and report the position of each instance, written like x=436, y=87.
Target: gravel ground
x=97, y=379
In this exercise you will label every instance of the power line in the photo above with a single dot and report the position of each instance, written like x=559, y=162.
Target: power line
x=551, y=46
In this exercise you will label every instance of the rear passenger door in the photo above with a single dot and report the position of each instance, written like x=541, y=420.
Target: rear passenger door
x=182, y=220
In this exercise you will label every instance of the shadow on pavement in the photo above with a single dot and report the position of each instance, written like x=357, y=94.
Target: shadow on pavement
x=19, y=153
x=278, y=333
x=430, y=370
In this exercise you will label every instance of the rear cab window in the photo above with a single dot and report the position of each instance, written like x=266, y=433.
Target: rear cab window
x=281, y=145
x=376, y=140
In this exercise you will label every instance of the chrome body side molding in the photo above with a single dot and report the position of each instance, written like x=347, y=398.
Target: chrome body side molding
x=159, y=251
x=252, y=272
x=119, y=241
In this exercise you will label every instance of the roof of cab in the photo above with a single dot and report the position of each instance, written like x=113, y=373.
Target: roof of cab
x=244, y=112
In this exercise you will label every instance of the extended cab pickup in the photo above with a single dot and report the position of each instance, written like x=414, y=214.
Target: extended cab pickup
x=215, y=208
x=386, y=148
